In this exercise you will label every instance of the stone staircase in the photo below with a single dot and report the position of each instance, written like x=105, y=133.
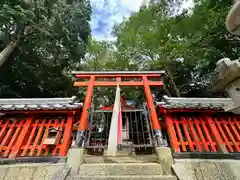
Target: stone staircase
x=117, y=168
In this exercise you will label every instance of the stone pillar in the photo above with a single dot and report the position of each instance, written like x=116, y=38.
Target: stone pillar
x=227, y=77
x=75, y=159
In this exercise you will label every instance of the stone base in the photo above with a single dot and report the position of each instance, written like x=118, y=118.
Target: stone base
x=207, y=169
x=75, y=159
x=164, y=156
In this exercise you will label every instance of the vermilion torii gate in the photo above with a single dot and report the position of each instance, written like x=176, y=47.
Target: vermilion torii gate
x=111, y=79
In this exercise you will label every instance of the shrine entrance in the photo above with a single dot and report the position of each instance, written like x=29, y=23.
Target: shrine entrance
x=140, y=128
x=136, y=132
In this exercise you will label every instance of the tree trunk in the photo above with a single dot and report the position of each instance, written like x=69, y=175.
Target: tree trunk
x=8, y=50
x=172, y=82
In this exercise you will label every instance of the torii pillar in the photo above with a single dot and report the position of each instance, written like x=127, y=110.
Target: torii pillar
x=93, y=81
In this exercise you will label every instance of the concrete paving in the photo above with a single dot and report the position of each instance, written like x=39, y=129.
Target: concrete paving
x=207, y=169
x=28, y=171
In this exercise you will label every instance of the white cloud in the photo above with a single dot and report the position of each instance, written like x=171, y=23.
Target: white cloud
x=131, y=5
x=188, y=4
x=107, y=13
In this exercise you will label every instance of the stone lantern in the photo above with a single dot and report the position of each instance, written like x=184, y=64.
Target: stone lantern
x=233, y=19
x=228, y=72
x=228, y=78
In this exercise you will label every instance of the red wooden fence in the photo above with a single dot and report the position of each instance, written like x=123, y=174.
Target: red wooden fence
x=203, y=133
x=25, y=137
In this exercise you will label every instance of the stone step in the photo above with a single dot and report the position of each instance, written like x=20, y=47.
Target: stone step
x=121, y=159
x=136, y=177
x=112, y=169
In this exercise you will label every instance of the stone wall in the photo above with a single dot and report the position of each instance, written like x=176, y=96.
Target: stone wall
x=29, y=171
x=194, y=169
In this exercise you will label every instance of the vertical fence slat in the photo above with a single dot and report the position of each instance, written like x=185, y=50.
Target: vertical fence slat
x=224, y=135
x=207, y=134
x=231, y=123
x=8, y=135
x=229, y=134
x=215, y=133
x=14, y=138
x=3, y=131
x=194, y=134
x=21, y=138
x=206, y=148
x=39, y=134
x=1, y=123
x=58, y=138
x=186, y=132
x=45, y=133
x=180, y=135
x=236, y=122
x=171, y=133
x=31, y=138
x=67, y=136
x=45, y=146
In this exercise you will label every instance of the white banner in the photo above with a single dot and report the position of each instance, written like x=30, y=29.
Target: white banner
x=114, y=128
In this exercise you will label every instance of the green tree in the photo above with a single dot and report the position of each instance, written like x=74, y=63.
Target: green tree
x=186, y=44
x=41, y=42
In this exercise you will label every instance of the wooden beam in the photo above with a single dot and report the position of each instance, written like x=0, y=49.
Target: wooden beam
x=115, y=75
x=127, y=83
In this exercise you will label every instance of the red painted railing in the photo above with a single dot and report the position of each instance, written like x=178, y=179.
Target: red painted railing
x=25, y=137
x=190, y=132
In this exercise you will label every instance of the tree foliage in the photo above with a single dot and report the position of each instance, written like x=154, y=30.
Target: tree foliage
x=186, y=44
x=51, y=38
x=47, y=39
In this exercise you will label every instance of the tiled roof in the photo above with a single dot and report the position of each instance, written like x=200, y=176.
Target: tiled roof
x=39, y=104
x=196, y=103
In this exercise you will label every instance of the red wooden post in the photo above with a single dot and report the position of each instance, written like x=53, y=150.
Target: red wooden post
x=187, y=132
x=230, y=135
x=171, y=132
x=216, y=135
x=20, y=138
x=8, y=136
x=45, y=133
x=87, y=104
x=154, y=119
x=37, y=139
x=3, y=131
x=179, y=133
x=199, y=131
x=207, y=134
x=30, y=138
x=67, y=135
x=194, y=134
x=83, y=121
x=119, y=135
x=59, y=141
x=231, y=123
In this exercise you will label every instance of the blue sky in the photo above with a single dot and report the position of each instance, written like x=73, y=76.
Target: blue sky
x=107, y=13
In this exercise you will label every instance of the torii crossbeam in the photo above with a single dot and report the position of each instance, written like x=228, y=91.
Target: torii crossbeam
x=111, y=79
